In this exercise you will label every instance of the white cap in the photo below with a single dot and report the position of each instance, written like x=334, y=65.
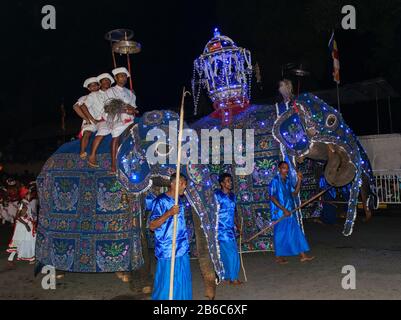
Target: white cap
x=89, y=81
x=120, y=70
x=105, y=76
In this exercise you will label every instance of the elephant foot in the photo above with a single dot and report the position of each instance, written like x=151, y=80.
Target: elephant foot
x=210, y=290
x=368, y=216
x=123, y=276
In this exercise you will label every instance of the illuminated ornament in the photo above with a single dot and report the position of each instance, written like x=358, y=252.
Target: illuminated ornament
x=225, y=71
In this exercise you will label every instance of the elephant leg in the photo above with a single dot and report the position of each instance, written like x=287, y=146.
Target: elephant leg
x=142, y=280
x=365, y=197
x=206, y=266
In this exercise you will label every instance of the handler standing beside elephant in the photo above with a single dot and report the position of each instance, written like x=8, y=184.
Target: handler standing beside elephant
x=289, y=240
x=161, y=222
x=226, y=232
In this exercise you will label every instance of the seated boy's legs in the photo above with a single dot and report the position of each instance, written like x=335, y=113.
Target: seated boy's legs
x=115, y=134
x=87, y=130
x=102, y=131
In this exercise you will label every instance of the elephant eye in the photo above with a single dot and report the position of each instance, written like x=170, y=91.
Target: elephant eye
x=331, y=121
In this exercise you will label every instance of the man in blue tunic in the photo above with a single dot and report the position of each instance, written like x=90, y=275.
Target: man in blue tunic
x=161, y=222
x=226, y=232
x=289, y=240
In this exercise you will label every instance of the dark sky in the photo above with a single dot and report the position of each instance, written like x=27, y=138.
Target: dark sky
x=42, y=68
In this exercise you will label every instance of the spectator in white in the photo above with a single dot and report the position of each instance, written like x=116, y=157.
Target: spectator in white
x=117, y=92
x=87, y=127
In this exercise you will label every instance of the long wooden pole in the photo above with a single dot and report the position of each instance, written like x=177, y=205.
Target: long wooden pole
x=271, y=225
x=177, y=180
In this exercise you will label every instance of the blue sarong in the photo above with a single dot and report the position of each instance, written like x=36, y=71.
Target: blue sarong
x=230, y=257
x=182, y=279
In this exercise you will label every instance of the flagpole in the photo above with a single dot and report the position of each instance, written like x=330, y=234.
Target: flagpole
x=338, y=98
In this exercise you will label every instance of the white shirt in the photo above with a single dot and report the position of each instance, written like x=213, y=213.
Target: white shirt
x=95, y=103
x=122, y=93
x=81, y=101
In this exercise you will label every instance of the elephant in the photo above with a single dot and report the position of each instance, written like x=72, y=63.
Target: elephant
x=91, y=221
x=276, y=138
x=310, y=128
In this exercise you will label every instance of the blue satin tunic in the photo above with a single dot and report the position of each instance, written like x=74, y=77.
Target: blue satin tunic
x=164, y=234
x=227, y=203
x=281, y=190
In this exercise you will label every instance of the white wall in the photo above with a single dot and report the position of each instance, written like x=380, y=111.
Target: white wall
x=384, y=151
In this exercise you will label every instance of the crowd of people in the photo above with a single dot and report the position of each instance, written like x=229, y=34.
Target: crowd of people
x=19, y=207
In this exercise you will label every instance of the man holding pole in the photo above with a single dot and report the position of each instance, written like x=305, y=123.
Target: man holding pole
x=289, y=240
x=162, y=223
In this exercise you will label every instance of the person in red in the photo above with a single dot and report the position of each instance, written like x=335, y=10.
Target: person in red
x=23, y=240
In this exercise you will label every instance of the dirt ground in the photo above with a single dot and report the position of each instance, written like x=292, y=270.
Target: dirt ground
x=374, y=250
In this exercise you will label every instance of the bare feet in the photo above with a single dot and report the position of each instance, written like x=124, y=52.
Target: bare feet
x=92, y=162
x=83, y=155
x=147, y=290
x=60, y=275
x=281, y=260
x=120, y=274
x=236, y=283
x=305, y=258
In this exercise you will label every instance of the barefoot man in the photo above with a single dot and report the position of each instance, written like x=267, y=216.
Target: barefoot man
x=161, y=222
x=226, y=232
x=289, y=240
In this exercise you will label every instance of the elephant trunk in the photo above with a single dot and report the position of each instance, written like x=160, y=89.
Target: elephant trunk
x=339, y=169
x=205, y=263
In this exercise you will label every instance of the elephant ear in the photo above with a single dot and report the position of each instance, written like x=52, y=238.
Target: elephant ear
x=133, y=170
x=200, y=194
x=290, y=131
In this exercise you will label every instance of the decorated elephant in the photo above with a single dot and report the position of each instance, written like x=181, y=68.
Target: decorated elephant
x=311, y=132
x=91, y=221
x=309, y=128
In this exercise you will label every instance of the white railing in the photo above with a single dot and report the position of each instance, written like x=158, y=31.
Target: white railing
x=388, y=186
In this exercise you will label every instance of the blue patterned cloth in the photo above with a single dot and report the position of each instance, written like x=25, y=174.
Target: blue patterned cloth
x=163, y=250
x=288, y=239
x=226, y=235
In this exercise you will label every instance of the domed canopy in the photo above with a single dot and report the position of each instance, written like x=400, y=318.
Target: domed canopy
x=219, y=43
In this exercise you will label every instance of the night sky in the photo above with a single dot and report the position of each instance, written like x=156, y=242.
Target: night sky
x=43, y=68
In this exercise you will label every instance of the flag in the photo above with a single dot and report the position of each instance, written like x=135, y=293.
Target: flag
x=336, y=58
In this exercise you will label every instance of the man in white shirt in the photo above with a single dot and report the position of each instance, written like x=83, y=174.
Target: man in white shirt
x=119, y=125
x=87, y=127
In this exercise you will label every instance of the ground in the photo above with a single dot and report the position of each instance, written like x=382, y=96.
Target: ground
x=374, y=250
